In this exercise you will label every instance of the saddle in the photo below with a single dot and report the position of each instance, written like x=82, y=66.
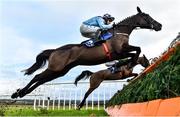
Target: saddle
x=93, y=42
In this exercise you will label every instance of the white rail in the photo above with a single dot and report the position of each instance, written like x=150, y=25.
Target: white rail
x=68, y=96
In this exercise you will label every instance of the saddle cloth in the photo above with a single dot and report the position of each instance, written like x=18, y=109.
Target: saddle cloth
x=92, y=42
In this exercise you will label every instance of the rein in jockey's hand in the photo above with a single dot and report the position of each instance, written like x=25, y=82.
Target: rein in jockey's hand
x=114, y=24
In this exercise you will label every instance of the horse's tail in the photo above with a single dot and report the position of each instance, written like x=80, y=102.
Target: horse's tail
x=84, y=74
x=40, y=61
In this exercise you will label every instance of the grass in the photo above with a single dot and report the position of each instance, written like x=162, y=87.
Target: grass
x=28, y=111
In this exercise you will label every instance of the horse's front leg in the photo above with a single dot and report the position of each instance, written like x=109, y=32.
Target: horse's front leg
x=132, y=74
x=131, y=48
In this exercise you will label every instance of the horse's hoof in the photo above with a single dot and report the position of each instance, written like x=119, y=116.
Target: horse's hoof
x=25, y=72
x=128, y=80
x=78, y=108
x=14, y=95
x=21, y=95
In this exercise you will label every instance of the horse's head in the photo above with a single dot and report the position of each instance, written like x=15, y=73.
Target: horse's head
x=146, y=21
x=141, y=20
x=143, y=61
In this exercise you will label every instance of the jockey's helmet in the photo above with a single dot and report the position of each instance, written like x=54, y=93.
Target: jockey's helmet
x=108, y=17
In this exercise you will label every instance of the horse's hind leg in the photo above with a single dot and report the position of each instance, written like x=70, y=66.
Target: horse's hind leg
x=44, y=77
x=39, y=79
x=90, y=90
x=30, y=89
x=95, y=81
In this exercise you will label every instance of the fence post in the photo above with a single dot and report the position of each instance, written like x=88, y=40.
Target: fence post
x=39, y=103
x=54, y=97
x=64, y=100
x=98, y=99
x=92, y=101
x=59, y=101
x=48, y=104
x=43, y=103
x=110, y=94
x=75, y=99
x=69, y=100
x=53, y=103
x=35, y=103
x=49, y=98
x=87, y=103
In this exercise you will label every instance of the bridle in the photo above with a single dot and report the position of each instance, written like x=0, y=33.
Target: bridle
x=148, y=21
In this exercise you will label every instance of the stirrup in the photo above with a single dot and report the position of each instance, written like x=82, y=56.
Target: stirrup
x=98, y=41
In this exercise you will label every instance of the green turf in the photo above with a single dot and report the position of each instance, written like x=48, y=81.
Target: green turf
x=28, y=111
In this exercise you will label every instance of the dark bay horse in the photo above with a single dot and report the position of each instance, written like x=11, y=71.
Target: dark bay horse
x=99, y=76
x=62, y=59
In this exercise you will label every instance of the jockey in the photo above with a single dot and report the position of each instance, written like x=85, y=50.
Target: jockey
x=117, y=64
x=93, y=27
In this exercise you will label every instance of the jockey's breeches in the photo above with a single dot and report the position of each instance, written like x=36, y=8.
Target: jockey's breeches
x=88, y=31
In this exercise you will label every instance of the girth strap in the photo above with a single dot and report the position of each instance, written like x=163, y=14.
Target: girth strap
x=106, y=50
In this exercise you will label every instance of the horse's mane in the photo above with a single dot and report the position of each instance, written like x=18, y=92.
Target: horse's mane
x=127, y=20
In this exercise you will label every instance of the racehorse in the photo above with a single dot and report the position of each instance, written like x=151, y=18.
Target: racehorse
x=99, y=76
x=62, y=59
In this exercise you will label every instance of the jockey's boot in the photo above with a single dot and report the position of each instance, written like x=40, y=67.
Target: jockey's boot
x=114, y=69
x=98, y=39
x=117, y=66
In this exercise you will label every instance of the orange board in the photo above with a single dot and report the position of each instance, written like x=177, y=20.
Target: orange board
x=159, y=107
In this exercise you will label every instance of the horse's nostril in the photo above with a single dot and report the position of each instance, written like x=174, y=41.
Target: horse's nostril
x=160, y=25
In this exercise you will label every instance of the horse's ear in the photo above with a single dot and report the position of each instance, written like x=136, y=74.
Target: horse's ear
x=144, y=55
x=139, y=10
